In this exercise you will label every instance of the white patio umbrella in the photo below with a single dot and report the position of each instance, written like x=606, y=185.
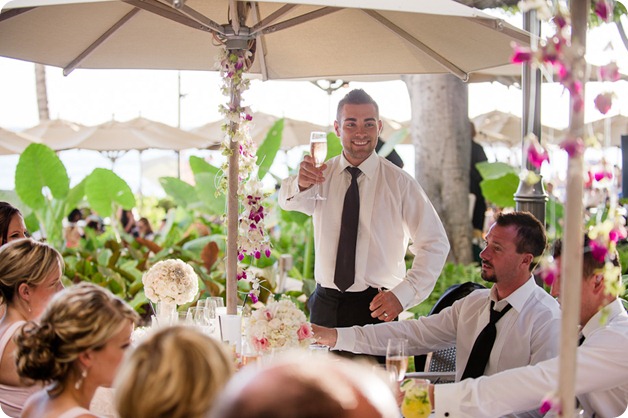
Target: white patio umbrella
x=287, y=39
x=14, y=142
x=51, y=131
x=501, y=127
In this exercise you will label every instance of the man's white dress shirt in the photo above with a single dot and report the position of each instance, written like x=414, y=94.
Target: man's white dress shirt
x=601, y=377
x=394, y=210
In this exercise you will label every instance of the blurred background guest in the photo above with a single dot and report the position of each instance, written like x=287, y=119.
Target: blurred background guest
x=30, y=274
x=145, y=230
x=11, y=223
x=73, y=232
x=310, y=385
x=76, y=347
x=174, y=373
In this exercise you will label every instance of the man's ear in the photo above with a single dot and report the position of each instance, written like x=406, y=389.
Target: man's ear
x=337, y=128
x=597, y=283
x=528, y=259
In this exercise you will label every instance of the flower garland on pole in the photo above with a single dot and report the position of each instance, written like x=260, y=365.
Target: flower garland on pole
x=251, y=237
x=564, y=50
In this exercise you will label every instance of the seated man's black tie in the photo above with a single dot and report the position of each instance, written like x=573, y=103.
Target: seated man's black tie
x=344, y=275
x=481, y=351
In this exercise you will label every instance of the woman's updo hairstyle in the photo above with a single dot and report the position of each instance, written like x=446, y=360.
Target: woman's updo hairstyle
x=25, y=261
x=79, y=318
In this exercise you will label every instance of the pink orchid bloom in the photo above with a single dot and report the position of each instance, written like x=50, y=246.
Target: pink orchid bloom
x=305, y=331
x=617, y=234
x=521, y=55
x=253, y=297
x=549, y=274
x=546, y=406
x=604, y=102
x=601, y=175
x=609, y=72
x=573, y=146
x=560, y=20
x=598, y=250
x=267, y=252
x=536, y=155
x=603, y=10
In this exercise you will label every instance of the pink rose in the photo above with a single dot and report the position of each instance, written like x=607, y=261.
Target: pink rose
x=261, y=344
x=268, y=315
x=305, y=331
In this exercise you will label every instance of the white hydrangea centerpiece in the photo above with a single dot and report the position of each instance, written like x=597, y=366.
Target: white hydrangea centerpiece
x=172, y=282
x=279, y=325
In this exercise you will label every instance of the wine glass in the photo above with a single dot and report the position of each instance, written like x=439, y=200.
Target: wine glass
x=318, y=149
x=396, y=359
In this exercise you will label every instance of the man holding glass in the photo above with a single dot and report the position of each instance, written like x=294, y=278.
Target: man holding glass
x=368, y=212
x=524, y=318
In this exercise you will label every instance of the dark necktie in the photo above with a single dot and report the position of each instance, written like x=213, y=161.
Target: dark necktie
x=344, y=275
x=481, y=351
x=581, y=340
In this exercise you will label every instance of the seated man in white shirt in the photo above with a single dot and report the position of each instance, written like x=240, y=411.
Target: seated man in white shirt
x=527, y=334
x=602, y=364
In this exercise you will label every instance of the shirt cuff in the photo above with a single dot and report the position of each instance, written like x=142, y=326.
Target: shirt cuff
x=404, y=293
x=447, y=401
x=345, y=340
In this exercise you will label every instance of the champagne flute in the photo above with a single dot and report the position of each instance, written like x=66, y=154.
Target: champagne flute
x=396, y=359
x=318, y=149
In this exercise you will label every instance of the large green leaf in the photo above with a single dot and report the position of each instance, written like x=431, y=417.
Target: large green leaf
x=199, y=165
x=76, y=195
x=268, y=149
x=206, y=191
x=180, y=191
x=394, y=139
x=501, y=190
x=104, y=189
x=334, y=146
x=294, y=216
x=494, y=170
x=39, y=167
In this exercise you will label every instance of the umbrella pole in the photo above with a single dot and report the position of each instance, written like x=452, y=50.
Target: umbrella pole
x=571, y=274
x=232, y=215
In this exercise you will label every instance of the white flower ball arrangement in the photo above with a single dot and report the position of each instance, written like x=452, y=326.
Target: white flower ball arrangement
x=170, y=282
x=279, y=325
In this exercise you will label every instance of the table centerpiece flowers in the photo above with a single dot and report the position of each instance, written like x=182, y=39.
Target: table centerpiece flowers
x=279, y=325
x=169, y=283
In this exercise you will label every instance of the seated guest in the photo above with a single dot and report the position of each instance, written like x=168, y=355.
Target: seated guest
x=181, y=369
x=524, y=319
x=145, y=230
x=307, y=386
x=76, y=347
x=601, y=365
x=30, y=274
x=11, y=223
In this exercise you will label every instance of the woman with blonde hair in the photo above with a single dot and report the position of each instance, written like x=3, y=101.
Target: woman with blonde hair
x=76, y=347
x=30, y=274
x=174, y=373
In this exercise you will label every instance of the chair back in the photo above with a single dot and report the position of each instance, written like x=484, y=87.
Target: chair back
x=445, y=360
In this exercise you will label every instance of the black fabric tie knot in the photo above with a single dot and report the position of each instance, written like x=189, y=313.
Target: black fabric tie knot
x=344, y=274
x=481, y=351
x=581, y=340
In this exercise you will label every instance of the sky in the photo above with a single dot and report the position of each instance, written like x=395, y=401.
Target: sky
x=92, y=97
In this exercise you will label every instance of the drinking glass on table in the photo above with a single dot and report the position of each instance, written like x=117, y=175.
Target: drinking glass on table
x=396, y=359
x=318, y=149
x=416, y=399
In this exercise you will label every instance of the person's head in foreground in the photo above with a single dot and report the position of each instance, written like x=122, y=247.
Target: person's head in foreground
x=76, y=347
x=594, y=295
x=304, y=385
x=174, y=373
x=11, y=223
x=30, y=274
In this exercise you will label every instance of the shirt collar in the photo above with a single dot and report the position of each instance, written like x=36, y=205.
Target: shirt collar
x=612, y=309
x=516, y=299
x=368, y=166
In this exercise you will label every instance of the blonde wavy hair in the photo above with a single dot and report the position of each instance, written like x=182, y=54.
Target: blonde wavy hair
x=182, y=368
x=80, y=318
x=25, y=261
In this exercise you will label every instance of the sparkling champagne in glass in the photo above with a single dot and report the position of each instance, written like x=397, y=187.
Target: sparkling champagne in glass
x=318, y=149
x=396, y=359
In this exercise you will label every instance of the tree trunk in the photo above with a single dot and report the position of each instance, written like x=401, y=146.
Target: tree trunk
x=42, y=93
x=440, y=132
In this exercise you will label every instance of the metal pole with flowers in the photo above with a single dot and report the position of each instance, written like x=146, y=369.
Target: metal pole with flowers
x=245, y=230
x=565, y=51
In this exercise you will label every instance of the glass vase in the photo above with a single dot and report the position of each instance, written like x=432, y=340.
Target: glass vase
x=166, y=313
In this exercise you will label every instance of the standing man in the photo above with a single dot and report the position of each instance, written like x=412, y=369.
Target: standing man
x=524, y=318
x=601, y=365
x=360, y=272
